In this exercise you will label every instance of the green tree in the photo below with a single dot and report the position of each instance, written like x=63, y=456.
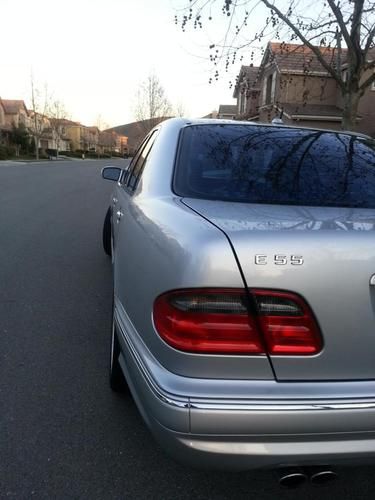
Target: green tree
x=20, y=138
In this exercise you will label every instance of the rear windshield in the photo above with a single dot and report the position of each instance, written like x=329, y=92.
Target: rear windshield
x=276, y=165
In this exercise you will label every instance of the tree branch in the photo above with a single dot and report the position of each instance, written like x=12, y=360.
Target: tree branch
x=370, y=40
x=341, y=22
x=367, y=83
x=312, y=47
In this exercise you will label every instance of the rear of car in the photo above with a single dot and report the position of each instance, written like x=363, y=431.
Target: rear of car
x=251, y=340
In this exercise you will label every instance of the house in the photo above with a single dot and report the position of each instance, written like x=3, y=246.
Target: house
x=111, y=142
x=247, y=92
x=211, y=115
x=123, y=144
x=107, y=141
x=15, y=113
x=77, y=134
x=57, y=135
x=227, y=111
x=291, y=81
x=4, y=129
x=92, y=137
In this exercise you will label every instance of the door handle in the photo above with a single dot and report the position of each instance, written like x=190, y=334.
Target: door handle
x=119, y=214
x=115, y=200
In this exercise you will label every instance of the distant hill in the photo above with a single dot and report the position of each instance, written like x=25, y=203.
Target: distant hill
x=136, y=131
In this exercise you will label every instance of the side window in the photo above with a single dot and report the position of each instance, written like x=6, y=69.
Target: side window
x=127, y=172
x=140, y=162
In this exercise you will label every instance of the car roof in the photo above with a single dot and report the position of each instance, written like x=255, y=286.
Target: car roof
x=217, y=121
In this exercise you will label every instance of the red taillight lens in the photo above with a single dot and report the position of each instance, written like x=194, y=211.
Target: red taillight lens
x=207, y=321
x=288, y=325
x=218, y=321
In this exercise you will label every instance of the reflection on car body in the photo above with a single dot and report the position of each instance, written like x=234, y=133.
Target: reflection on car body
x=243, y=319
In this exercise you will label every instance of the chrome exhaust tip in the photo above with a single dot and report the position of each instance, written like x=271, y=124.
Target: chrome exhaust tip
x=320, y=476
x=291, y=477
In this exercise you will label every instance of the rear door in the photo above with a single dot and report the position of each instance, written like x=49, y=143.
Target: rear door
x=128, y=265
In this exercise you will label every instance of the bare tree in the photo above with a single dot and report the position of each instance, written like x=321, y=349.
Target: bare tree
x=101, y=123
x=38, y=123
x=56, y=114
x=346, y=27
x=152, y=104
x=180, y=109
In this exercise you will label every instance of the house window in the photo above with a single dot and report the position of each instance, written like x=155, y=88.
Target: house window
x=270, y=88
x=242, y=102
x=273, y=87
x=264, y=92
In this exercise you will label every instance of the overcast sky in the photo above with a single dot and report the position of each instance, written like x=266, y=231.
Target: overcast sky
x=94, y=53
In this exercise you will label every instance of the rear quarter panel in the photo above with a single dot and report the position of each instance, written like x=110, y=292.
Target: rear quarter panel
x=163, y=245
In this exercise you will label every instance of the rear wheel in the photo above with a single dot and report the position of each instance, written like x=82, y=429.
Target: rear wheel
x=116, y=377
x=107, y=233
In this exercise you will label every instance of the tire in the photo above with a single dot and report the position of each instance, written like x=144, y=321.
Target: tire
x=107, y=233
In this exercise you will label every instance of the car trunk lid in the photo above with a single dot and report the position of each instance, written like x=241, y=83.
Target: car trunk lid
x=325, y=255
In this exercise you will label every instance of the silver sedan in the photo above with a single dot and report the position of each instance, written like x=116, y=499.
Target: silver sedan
x=244, y=293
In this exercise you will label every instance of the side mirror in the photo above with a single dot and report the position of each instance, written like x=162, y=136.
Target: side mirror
x=111, y=173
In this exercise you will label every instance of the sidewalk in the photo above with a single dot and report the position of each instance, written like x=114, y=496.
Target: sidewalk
x=8, y=163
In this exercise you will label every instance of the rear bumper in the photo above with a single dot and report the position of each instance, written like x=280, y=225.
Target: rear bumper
x=238, y=435
x=239, y=453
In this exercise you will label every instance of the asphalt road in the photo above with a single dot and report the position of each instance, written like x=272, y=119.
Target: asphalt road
x=63, y=434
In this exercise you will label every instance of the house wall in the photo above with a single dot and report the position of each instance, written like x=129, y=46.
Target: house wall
x=2, y=116
x=366, y=109
x=294, y=88
x=11, y=120
x=250, y=98
x=73, y=133
x=268, y=113
x=16, y=119
x=333, y=125
x=253, y=102
x=270, y=94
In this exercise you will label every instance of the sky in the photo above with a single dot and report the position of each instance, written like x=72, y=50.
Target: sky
x=93, y=55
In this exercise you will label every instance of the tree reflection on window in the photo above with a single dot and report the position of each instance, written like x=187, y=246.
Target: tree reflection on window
x=276, y=165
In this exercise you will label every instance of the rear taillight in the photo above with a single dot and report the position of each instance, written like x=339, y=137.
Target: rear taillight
x=218, y=321
x=287, y=323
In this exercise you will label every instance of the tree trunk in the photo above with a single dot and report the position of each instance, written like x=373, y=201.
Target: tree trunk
x=36, y=142
x=350, y=110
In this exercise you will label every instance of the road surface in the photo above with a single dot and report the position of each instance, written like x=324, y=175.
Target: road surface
x=63, y=433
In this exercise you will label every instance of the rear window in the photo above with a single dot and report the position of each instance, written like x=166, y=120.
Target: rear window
x=276, y=165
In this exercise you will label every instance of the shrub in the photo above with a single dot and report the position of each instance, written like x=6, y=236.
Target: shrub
x=3, y=153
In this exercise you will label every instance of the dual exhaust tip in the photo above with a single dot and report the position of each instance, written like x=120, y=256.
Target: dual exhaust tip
x=293, y=477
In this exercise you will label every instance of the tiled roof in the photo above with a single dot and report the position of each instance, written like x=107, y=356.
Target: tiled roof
x=64, y=121
x=12, y=107
x=248, y=74
x=293, y=57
